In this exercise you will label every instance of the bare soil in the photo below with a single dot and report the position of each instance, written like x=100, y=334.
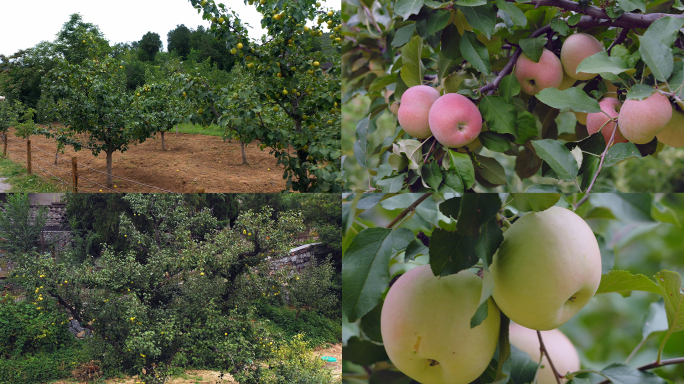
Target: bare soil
x=190, y=163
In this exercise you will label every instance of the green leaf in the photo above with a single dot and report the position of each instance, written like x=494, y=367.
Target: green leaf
x=624, y=374
x=480, y=315
x=365, y=271
x=574, y=19
x=623, y=282
x=626, y=206
x=509, y=87
x=560, y=26
x=640, y=92
x=573, y=98
x=437, y=21
x=470, y=3
x=363, y=352
x=671, y=288
x=475, y=52
x=391, y=184
x=450, y=252
x=385, y=376
x=415, y=248
x=412, y=149
x=630, y=5
x=656, y=56
x=481, y=18
x=412, y=70
x=526, y=127
x=383, y=82
x=655, y=320
x=543, y=188
x=451, y=207
x=558, y=157
x=450, y=43
x=370, y=324
x=406, y=8
x=600, y=62
x=476, y=209
x=494, y=141
x=535, y=201
x=533, y=47
x=593, y=147
x=488, y=242
x=369, y=200
x=361, y=145
x=499, y=115
x=460, y=166
x=397, y=162
x=403, y=35
x=620, y=152
x=665, y=29
x=514, y=12
x=432, y=175
x=490, y=169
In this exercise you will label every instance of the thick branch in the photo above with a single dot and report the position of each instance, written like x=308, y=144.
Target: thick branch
x=679, y=360
x=511, y=62
x=597, y=16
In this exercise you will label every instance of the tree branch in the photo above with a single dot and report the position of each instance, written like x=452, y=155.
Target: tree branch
x=511, y=62
x=621, y=37
x=545, y=352
x=598, y=17
x=408, y=209
x=603, y=156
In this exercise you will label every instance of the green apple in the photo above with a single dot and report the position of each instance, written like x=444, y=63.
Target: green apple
x=425, y=325
x=673, y=132
x=547, y=268
x=560, y=348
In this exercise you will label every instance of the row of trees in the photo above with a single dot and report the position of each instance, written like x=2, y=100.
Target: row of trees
x=172, y=286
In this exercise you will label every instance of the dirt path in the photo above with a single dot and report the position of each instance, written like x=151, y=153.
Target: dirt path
x=4, y=186
x=336, y=352
x=190, y=162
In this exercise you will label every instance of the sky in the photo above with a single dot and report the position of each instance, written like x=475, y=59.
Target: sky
x=24, y=24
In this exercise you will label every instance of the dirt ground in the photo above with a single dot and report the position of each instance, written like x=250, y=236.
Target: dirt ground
x=212, y=377
x=190, y=162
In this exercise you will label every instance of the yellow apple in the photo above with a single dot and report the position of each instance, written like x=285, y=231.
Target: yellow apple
x=547, y=268
x=425, y=326
x=673, y=132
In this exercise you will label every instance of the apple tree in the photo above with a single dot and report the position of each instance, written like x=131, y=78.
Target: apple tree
x=158, y=107
x=488, y=93
x=9, y=114
x=473, y=288
x=292, y=76
x=176, y=295
x=92, y=103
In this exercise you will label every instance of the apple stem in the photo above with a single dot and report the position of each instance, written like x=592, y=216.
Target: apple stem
x=603, y=156
x=545, y=352
x=408, y=209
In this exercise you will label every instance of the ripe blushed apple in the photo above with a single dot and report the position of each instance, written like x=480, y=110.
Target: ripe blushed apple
x=560, y=348
x=533, y=77
x=595, y=121
x=425, y=325
x=455, y=121
x=673, y=132
x=414, y=110
x=576, y=48
x=547, y=268
x=641, y=120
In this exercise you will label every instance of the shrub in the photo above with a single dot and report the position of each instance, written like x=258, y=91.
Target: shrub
x=317, y=329
x=295, y=363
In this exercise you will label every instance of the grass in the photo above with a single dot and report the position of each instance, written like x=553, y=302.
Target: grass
x=22, y=182
x=196, y=129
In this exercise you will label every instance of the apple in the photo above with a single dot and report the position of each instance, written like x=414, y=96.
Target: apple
x=455, y=121
x=567, y=82
x=673, y=132
x=533, y=77
x=394, y=107
x=560, y=348
x=581, y=117
x=641, y=120
x=425, y=325
x=595, y=121
x=547, y=268
x=612, y=90
x=414, y=110
x=576, y=48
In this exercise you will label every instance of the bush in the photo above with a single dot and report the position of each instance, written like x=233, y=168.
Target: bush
x=42, y=367
x=294, y=363
x=317, y=329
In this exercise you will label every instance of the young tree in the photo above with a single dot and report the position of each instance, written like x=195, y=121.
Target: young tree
x=8, y=117
x=20, y=226
x=158, y=107
x=531, y=70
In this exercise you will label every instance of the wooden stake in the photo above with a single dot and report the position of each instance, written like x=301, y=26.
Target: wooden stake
x=74, y=170
x=28, y=155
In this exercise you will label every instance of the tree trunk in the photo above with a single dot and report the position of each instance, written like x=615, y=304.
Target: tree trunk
x=56, y=155
x=244, y=155
x=163, y=146
x=4, y=146
x=297, y=315
x=110, y=179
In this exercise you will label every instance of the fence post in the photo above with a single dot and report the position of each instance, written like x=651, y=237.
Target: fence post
x=200, y=190
x=74, y=170
x=4, y=145
x=28, y=155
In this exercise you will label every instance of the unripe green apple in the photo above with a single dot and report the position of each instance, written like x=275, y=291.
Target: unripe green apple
x=595, y=121
x=414, y=110
x=533, y=77
x=455, y=121
x=547, y=268
x=576, y=48
x=425, y=325
x=641, y=120
x=560, y=348
x=673, y=132
x=581, y=117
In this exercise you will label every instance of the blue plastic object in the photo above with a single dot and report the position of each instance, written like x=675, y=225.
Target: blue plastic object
x=328, y=358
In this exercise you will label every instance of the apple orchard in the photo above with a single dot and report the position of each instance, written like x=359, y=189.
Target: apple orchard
x=470, y=79
x=473, y=289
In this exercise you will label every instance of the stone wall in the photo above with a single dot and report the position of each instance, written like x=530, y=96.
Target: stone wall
x=298, y=257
